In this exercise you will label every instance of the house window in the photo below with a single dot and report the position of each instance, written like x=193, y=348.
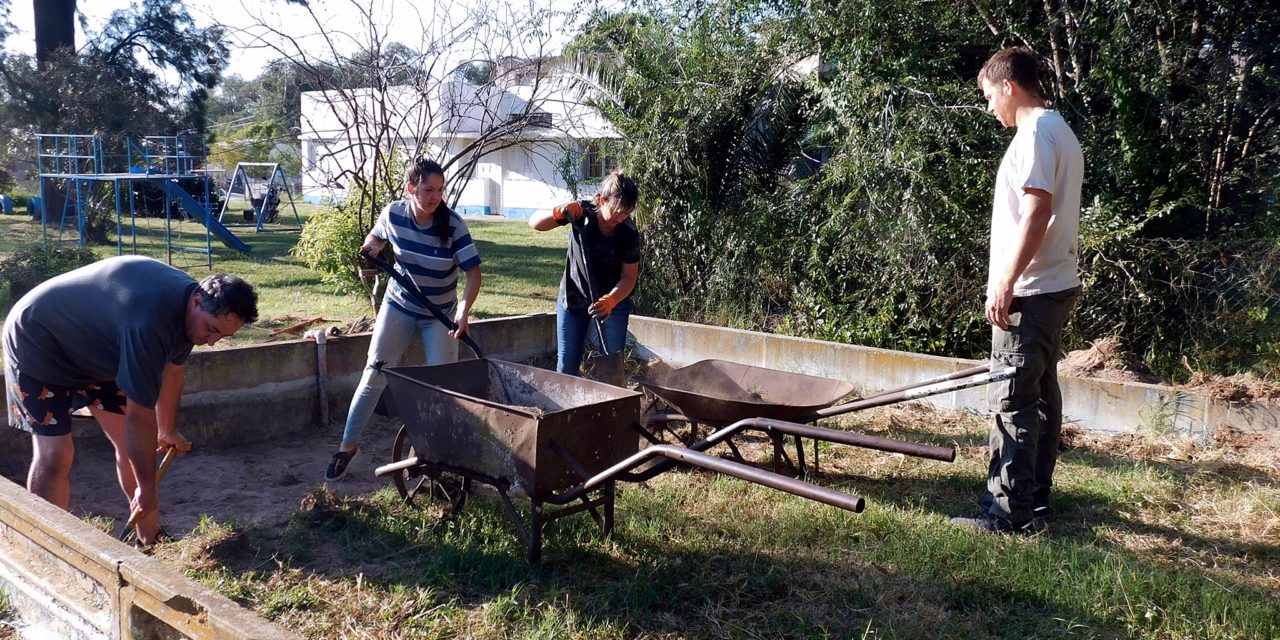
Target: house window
x=595, y=162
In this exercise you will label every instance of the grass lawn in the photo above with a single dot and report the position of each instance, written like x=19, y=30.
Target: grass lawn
x=521, y=268
x=1157, y=537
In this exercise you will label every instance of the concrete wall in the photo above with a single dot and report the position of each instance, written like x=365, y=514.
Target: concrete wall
x=70, y=581
x=1091, y=404
x=261, y=392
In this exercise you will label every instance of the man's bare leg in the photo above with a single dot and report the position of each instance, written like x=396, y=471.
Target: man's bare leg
x=113, y=425
x=50, y=474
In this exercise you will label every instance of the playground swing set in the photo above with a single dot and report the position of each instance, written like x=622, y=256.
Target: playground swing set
x=163, y=177
x=260, y=194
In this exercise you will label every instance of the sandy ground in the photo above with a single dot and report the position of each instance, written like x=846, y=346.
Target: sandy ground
x=262, y=483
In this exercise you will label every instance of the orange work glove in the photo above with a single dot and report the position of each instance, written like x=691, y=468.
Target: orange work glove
x=566, y=213
x=601, y=308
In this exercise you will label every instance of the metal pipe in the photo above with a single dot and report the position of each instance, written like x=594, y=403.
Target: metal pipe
x=396, y=467
x=322, y=370
x=945, y=454
x=914, y=393
x=973, y=371
x=932, y=452
x=736, y=469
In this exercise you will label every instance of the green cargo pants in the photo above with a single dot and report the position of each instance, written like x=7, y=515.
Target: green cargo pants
x=1027, y=425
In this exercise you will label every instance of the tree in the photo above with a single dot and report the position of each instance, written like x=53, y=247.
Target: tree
x=392, y=100
x=850, y=202
x=55, y=27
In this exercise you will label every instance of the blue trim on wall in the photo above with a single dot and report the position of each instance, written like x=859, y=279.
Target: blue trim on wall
x=519, y=213
x=473, y=210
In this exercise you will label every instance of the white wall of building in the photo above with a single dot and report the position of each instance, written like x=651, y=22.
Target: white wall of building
x=514, y=181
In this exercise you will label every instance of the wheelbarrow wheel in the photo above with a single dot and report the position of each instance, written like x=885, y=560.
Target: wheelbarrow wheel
x=409, y=482
x=415, y=481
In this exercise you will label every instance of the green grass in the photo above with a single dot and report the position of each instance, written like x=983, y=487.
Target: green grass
x=521, y=268
x=1145, y=547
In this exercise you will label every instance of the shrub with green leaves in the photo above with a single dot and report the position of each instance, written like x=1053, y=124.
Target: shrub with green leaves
x=27, y=268
x=826, y=169
x=329, y=244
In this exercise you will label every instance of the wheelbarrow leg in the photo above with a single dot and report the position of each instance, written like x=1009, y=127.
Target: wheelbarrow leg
x=737, y=455
x=610, y=492
x=816, y=471
x=536, y=522
x=800, y=457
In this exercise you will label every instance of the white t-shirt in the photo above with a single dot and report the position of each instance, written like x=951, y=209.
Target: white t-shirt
x=1044, y=154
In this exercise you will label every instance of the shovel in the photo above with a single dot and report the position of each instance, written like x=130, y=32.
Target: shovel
x=606, y=367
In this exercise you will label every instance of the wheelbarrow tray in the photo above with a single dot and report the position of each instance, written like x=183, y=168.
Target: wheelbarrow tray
x=523, y=426
x=721, y=392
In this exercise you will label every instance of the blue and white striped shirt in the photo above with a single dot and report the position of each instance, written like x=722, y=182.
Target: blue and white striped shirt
x=431, y=261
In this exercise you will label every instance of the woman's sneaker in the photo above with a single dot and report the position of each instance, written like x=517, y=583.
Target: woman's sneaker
x=338, y=466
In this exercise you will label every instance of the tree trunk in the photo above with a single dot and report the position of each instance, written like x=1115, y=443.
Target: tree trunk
x=55, y=26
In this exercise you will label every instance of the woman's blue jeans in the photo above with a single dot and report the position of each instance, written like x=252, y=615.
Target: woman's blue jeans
x=391, y=335
x=573, y=328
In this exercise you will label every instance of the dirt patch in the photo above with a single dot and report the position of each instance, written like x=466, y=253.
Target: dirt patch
x=1106, y=360
x=262, y=483
x=1227, y=451
x=1242, y=387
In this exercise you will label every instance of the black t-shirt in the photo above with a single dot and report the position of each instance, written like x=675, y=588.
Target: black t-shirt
x=606, y=254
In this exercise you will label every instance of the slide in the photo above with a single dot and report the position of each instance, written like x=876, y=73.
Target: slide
x=197, y=211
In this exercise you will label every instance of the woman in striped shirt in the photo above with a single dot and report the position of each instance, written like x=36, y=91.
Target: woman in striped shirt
x=431, y=245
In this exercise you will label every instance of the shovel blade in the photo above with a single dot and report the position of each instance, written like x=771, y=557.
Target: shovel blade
x=606, y=368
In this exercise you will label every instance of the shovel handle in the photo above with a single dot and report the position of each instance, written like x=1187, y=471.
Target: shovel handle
x=169, y=455
x=591, y=294
x=412, y=289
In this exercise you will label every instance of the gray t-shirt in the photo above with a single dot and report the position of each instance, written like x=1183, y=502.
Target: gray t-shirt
x=118, y=319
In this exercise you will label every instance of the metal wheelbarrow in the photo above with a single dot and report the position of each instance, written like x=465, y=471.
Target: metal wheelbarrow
x=718, y=393
x=562, y=441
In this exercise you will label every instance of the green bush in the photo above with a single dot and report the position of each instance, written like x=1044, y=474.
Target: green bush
x=329, y=244
x=27, y=268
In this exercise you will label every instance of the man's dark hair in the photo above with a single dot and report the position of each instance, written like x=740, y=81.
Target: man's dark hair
x=222, y=293
x=1018, y=65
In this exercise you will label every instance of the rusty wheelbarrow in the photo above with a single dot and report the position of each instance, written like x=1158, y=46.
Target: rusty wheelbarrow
x=718, y=393
x=562, y=441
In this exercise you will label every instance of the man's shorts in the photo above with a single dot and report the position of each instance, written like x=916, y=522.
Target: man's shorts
x=45, y=409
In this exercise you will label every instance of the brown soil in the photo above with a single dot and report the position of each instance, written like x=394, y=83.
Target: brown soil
x=1242, y=387
x=1106, y=360
x=1230, y=451
x=263, y=483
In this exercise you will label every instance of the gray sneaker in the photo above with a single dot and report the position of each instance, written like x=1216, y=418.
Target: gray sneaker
x=995, y=524
x=1041, y=515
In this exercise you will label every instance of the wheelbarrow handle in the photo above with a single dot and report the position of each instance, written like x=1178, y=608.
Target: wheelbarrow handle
x=682, y=455
x=412, y=289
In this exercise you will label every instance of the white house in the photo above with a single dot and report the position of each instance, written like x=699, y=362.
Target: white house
x=517, y=146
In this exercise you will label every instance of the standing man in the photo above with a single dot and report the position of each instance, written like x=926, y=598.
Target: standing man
x=1031, y=287
x=113, y=336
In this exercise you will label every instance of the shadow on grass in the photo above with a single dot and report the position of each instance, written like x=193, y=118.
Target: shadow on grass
x=674, y=570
